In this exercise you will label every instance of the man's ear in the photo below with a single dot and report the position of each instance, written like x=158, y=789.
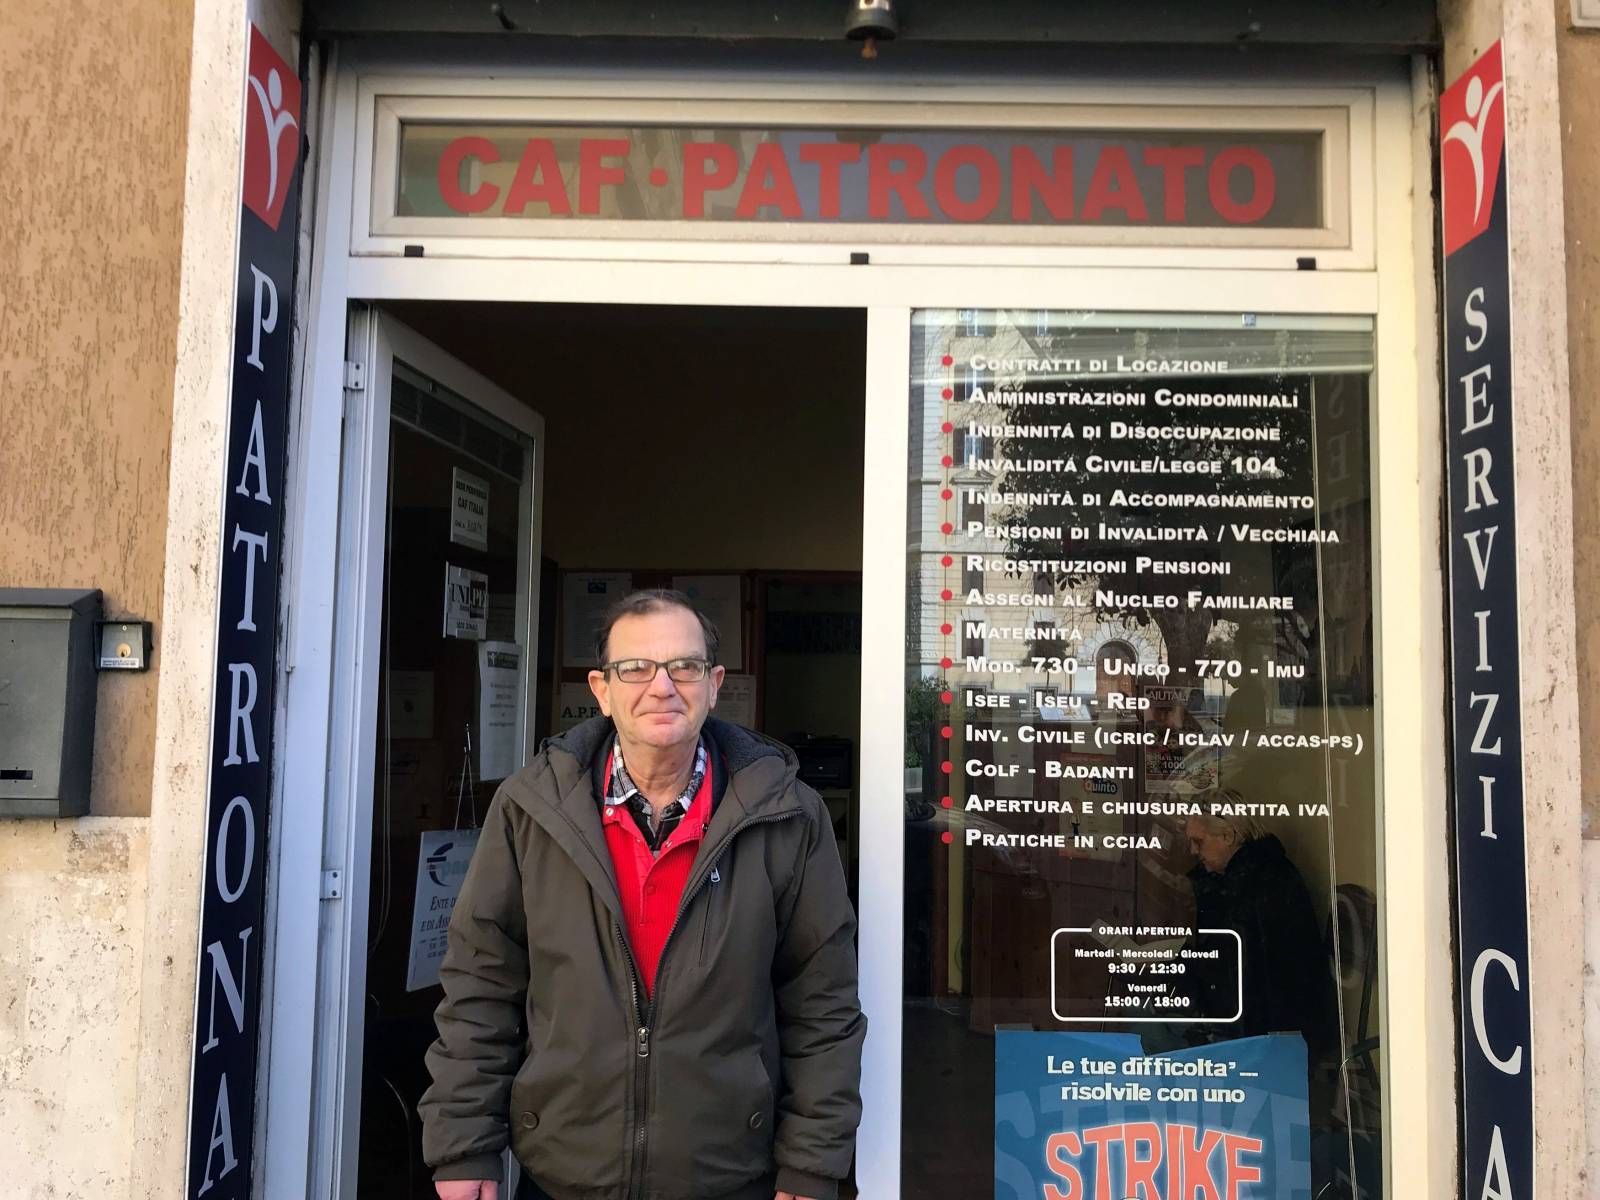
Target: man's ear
x=601, y=687
x=717, y=675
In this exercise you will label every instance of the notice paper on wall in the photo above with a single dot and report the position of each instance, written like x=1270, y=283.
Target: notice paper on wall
x=736, y=700
x=410, y=704
x=441, y=866
x=466, y=603
x=1092, y=1116
x=577, y=704
x=585, y=595
x=499, y=687
x=721, y=598
x=469, y=509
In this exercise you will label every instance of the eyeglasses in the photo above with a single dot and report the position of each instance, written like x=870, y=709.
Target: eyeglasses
x=643, y=670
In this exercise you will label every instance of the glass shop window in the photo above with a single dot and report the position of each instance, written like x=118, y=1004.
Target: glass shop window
x=1142, y=886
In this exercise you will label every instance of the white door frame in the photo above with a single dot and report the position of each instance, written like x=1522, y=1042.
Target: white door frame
x=376, y=343
x=1417, y=1027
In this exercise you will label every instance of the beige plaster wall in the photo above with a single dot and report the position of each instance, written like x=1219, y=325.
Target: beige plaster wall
x=1578, y=73
x=1578, y=61
x=90, y=227
x=72, y=896
x=90, y=218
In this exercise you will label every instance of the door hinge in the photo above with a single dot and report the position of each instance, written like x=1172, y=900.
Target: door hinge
x=332, y=885
x=355, y=376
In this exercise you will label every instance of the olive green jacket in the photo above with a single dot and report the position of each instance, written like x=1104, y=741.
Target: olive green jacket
x=742, y=1072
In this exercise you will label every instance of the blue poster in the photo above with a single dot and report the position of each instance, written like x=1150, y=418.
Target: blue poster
x=1091, y=1116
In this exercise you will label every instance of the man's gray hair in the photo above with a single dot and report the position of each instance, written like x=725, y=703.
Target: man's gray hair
x=1243, y=827
x=643, y=602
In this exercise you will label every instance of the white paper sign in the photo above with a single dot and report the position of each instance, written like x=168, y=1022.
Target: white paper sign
x=499, y=723
x=577, y=705
x=736, y=700
x=466, y=603
x=721, y=598
x=469, y=509
x=585, y=597
x=441, y=866
x=411, y=704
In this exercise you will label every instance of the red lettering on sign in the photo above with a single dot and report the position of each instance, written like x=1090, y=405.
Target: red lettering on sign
x=768, y=184
x=594, y=174
x=1140, y=1172
x=1101, y=1139
x=1056, y=1149
x=830, y=157
x=450, y=163
x=1137, y=1150
x=1264, y=184
x=895, y=167
x=707, y=167
x=538, y=178
x=1028, y=179
x=949, y=167
x=1114, y=185
x=1234, y=1146
x=1193, y=1161
x=1173, y=161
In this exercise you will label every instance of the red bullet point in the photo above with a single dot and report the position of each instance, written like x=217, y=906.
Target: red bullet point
x=946, y=494
x=946, y=837
x=947, y=696
x=946, y=801
x=945, y=595
x=946, y=461
x=949, y=392
x=947, y=768
x=947, y=427
x=947, y=360
x=946, y=663
x=947, y=528
x=946, y=628
x=947, y=560
x=945, y=732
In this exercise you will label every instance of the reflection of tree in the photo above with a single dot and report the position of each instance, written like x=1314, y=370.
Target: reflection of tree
x=1185, y=630
x=923, y=708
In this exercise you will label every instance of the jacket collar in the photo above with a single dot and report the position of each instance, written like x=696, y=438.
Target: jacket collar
x=760, y=767
x=564, y=798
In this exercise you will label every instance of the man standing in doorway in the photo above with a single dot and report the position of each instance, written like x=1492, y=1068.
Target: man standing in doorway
x=650, y=985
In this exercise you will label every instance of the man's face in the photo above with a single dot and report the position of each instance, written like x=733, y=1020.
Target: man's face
x=1213, y=847
x=660, y=713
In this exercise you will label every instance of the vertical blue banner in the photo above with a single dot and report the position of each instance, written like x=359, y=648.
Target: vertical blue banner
x=1493, y=988
x=227, y=1016
x=1091, y=1116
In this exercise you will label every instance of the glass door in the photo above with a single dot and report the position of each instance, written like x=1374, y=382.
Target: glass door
x=443, y=504
x=1141, y=820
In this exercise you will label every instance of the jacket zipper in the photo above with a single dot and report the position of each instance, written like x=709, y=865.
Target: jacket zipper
x=642, y=1035
x=705, y=924
x=641, y=1082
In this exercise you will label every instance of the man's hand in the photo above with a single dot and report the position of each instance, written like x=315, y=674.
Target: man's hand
x=467, y=1189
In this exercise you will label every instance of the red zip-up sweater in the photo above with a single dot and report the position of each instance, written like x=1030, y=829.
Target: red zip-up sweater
x=652, y=884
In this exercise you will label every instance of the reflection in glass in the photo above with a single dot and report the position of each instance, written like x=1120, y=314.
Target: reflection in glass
x=1140, y=708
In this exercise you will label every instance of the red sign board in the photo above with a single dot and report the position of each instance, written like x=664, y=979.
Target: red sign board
x=271, y=130
x=1218, y=179
x=1472, y=125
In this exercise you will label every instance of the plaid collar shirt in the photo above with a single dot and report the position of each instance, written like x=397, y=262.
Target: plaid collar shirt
x=656, y=829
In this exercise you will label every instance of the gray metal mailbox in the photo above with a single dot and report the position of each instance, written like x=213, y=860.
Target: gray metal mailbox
x=47, y=694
